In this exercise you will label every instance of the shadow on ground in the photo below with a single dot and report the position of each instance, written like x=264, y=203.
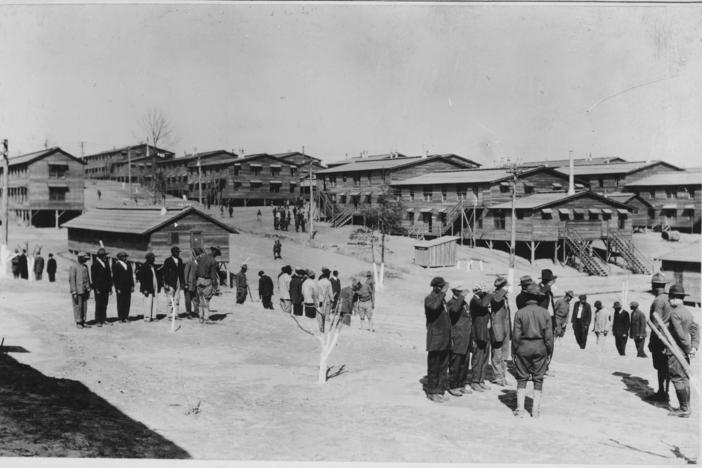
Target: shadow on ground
x=47, y=417
x=639, y=387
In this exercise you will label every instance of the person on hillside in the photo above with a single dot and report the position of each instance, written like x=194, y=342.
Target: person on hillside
x=297, y=219
x=601, y=323
x=16, y=264
x=192, y=307
x=685, y=333
x=277, y=248
x=345, y=303
x=207, y=281
x=265, y=290
x=23, y=267
x=150, y=284
x=101, y=277
x=242, y=285
x=79, y=284
x=582, y=314
x=480, y=315
x=326, y=298
x=296, y=297
x=310, y=295
x=173, y=272
x=123, y=280
x=259, y=216
x=532, y=340
x=561, y=310
x=366, y=301
x=637, y=332
x=438, y=340
x=51, y=268
x=500, y=331
x=99, y=194
x=336, y=287
x=231, y=211
x=620, y=327
x=521, y=298
x=276, y=219
x=38, y=266
x=284, y=288
x=460, y=340
x=661, y=306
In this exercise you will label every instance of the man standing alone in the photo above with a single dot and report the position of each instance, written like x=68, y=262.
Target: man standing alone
x=560, y=314
x=123, y=279
x=102, y=285
x=242, y=285
x=638, y=328
x=582, y=314
x=620, y=328
x=79, y=283
x=51, y=268
x=265, y=289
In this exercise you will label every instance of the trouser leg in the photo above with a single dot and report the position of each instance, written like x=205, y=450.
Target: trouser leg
x=498, y=359
x=187, y=298
x=77, y=303
x=457, y=370
x=101, y=299
x=480, y=358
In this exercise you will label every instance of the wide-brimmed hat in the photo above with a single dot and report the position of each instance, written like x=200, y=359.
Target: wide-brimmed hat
x=149, y=255
x=582, y=297
x=175, y=249
x=617, y=304
x=547, y=275
x=122, y=254
x=478, y=287
x=300, y=272
x=437, y=282
x=677, y=290
x=659, y=278
x=458, y=286
x=525, y=281
x=570, y=293
x=500, y=282
x=598, y=304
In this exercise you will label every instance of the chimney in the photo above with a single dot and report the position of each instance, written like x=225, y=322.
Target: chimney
x=571, y=183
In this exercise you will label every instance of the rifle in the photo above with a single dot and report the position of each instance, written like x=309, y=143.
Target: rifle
x=248, y=288
x=672, y=346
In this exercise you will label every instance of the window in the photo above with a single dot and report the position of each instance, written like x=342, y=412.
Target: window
x=274, y=187
x=528, y=188
x=237, y=185
x=275, y=171
x=427, y=194
x=520, y=214
x=255, y=186
x=173, y=238
x=504, y=187
x=57, y=171
x=461, y=193
x=617, y=180
x=684, y=194
x=579, y=215
x=652, y=194
x=292, y=188
x=195, y=239
x=369, y=175
x=367, y=198
x=600, y=182
x=255, y=170
x=342, y=199
x=411, y=193
x=410, y=216
x=293, y=171
x=57, y=193
x=500, y=219
x=356, y=180
x=691, y=191
x=671, y=194
x=622, y=221
x=343, y=178
x=397, y=193
x=332, y=181
x=444, y=195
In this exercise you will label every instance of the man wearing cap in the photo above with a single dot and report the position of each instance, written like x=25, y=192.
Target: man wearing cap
x=101, y=278
x=51, y=268
x=79, y=283
x=480, y=316
x=684, y=332
x=532, y=340
x=561, y=310
x=662, y=307
x=521, y=298
x=326, y=296
x=207, y=282
x=192, y=307
x=242, y=285
x=296, y=291
x=284, y=279
x=173, y=272
x=150, y=284
x=123, y=279
x=500, y=331
x=366, y=301
x=582, y=315
x=310, y=297
x=460, y=341
x=438, y=340
x=265, y=290
x=620, y=327
x=637, y=332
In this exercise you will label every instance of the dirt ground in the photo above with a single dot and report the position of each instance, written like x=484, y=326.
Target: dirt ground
x=245, y=387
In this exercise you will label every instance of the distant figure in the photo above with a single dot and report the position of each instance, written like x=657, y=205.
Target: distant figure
x=173, y=272
x=51, y=268
x=277, y=247
x=123, y=279
x=242, y=285
x=336, y=287
x=637, y=330
x=38, y=266
x=620, y=328
x=601, y=322
x=259, y=216
x=23, y=268
x=582, y=314
x=101, y=277
x=284, y=288
x=16, y=265
x=99, y=193
x=79, y=284
x=221, y=210
x=265, y=290
x=150, y=284
x=231, y=211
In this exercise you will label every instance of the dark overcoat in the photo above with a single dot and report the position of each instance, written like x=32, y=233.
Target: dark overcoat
x=460, y=325
x=621, y=323
x=438, y=322
x=480, y=315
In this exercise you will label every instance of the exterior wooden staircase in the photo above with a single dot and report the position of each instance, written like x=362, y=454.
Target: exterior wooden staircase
x=342, y=218
x=579, y=247
x=453, y=214
x=327, y=208
x=634, y=258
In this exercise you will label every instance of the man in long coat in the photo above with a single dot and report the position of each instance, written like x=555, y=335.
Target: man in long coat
x=620, y=328
x=582, y=315
x=150, y=284
x=685, y=333
x=101, y=277
x=532, y=340
x=460, y=341
x=51, y=268
x=123, y=280
x=296, y=291
x=173, y=273
x=438, y=340
x=637, y=331
x=660, y=305
x=23, y=268
x=38, y=266
x=242, y=285
x=500, y=331
x=192, y=307
x=79, y=284
x=265, y=289
x=480, y=316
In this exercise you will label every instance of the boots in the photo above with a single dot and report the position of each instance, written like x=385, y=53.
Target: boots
x=521, y=396
x=684, y=398
x=536, y=408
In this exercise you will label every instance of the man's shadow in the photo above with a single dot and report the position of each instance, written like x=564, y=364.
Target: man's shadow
x=639, y=387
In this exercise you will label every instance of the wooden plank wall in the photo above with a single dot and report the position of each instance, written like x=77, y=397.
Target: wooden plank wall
x=39, y=181
x=212, y=235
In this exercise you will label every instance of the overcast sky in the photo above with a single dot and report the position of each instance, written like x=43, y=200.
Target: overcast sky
x=484, y=81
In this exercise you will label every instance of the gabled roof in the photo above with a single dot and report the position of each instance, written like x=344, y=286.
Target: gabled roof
x=576, y=161
x=618, y=168
x=32, y=157
x=385, y=164
x=140, y=221
x=125, y=148
x=626, y=197
x=475, y=176
x=678, y=255
x=294, y=153
x=544, y=200
x=372, y=157
x=458, y=157
x=688, y=177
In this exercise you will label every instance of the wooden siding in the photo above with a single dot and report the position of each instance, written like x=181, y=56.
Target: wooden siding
x=680, y=196
x=212, y=235
x=89, y=241
x=686, y=274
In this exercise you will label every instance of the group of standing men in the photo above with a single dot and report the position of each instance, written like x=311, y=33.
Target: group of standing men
x=20, y=266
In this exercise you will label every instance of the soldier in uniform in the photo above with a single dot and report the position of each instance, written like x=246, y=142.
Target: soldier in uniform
x=637, y=332
x=660, y=305
x=500, y=331
x=438, y=340
x=79, y=283
x=532, y=341
x=560, y=313
x=265, y=289
x=460, y=341
x=207, y=281
x=684, y=332
x=242, y=285
x=38, y=266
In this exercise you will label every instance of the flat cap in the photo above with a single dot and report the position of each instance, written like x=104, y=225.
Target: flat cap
x=634, y=304
x=122, y=254
x=83, y=255
x=437, y=282
x=617, y=304
x=570, y=293
x=150, y=255
x=525, y=281
x=500, y=281
x=458, y=286
x=101, y=251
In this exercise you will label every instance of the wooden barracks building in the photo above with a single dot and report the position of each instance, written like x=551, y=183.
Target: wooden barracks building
x=45, y=187
x=102, y=165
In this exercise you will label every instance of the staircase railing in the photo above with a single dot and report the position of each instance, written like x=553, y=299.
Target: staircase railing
x=635, y=259
x=453, y=214
x=579, y=247
x=342, y=218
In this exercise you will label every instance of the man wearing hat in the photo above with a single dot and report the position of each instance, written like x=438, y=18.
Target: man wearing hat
x=101, y=278
x=284, y=279
x=460, y=341
x=123, y=279
x=637, y=330
x=207, y=282
x=532, y=341
x=150, y=284
x=582, y=315
x=662, y=307
x=620, y=327
x=265, y=290
x=366, y=301
x=500, y=331
x=480, y=316
x=560, y=313
x=192, y=306
x=242, y=285
x=521, y=298
x=326, y=295
x=438, y=340
x=310, y=298
x=173, y=272
x=79, y=283
x=296, y=291
x=684, y=332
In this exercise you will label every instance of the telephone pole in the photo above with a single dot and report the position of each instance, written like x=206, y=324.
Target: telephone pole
x=199, y=180
x=5, y=194
x=310, y=186
x=129, y=169
x=513, y=234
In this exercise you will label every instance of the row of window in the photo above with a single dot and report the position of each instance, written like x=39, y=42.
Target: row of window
x=672, y=194
x=20, y=194
x=356, y=177
x=253, y=187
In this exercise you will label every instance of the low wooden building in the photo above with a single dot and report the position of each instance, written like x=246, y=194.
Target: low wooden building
x=643, y=214
x=437, y=252
x=45, y=187
x=675, y=197
x=102, y=165
x=576, y=161
x=683, y=268
x=140, y=230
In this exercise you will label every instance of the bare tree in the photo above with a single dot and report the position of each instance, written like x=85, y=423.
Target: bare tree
x=159, y=131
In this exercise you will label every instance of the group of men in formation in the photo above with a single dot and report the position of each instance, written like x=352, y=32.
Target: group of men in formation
x=198, y=279
x=283, y=215
x=20, y=266
x=463, y=333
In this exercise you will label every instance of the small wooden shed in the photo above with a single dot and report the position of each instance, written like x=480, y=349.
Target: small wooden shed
x=683, y=267
x=437, y=252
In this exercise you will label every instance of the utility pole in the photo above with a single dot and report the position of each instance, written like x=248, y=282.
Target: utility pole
x=129, y=169
x=4, y=242
x=310, y=185
x=199, y=180
x=513, y=236
x=82, y=149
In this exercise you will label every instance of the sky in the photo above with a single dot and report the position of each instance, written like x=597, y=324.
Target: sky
x=488, y=82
